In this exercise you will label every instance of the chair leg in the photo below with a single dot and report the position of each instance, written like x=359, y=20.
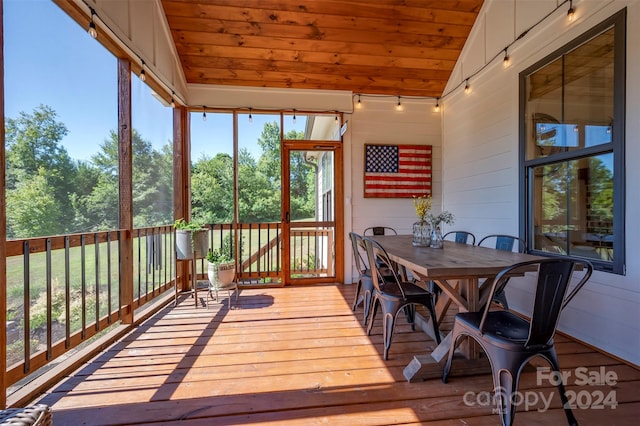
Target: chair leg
x=388, y=324
x=434, y=321
x=455, y=333
x=410, y=313
x=367, y=305
x=356, y=300
x=374, y=310
x=505, y=387
x=553, y=360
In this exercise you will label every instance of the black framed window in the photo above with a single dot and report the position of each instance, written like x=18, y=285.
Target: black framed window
x=572, y=106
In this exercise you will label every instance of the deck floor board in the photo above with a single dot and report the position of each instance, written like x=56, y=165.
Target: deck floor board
x=299, y=356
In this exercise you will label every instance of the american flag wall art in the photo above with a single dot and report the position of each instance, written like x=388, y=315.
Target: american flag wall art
x=397, y=171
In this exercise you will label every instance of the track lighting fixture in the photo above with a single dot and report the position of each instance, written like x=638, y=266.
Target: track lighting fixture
x=93, y=32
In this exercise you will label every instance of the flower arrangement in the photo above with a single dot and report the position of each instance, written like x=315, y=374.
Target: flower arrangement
x=444, y=217
x=422, y=204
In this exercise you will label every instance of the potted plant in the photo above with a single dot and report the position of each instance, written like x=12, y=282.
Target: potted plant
x=191, y=237
x=222, y=269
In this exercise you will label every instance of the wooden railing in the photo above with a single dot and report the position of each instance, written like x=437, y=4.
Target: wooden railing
x=63, y=290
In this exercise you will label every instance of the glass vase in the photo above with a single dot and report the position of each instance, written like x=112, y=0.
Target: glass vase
x=436, y=238
x=421, y=234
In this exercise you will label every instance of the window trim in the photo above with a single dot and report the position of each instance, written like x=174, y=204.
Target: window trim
x=618, y=21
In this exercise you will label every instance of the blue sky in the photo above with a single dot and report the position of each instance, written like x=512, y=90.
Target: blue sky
x=51, y=60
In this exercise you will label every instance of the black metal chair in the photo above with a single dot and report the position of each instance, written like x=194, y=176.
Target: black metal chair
x=394, y=295
x=462, y=237
x=506, y=243
x=511, y=341
x=365, y=283
x=379, y=230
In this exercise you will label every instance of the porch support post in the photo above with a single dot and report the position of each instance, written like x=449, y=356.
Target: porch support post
x=125, y=176
x=3, y=231
x=181, y=182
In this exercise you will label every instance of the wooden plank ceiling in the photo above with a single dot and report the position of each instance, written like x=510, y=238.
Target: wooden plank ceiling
x=390, y=47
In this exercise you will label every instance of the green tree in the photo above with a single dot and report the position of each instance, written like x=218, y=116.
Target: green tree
x=32, y=208
x=33, y=148
x=212, y=189
x=152, y=184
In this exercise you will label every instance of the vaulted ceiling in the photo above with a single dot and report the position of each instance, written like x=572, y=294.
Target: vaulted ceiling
x=391, y=47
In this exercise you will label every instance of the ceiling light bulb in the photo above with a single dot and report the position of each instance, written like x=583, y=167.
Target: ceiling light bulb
x=399, y=105
x=173, y=103
x=571, y=12
x=204, y=115
x=359, y=104
x=250, y=118
x=294, y=116
x=467, y=88
x=506, y=60
x=143, y=75
x=437, y=107
x=93, y=32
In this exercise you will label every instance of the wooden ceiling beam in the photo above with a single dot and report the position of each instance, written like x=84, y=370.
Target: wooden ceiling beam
x=196, y=39
x=311, y=57
x=313, y=32
x=202, y=65
x=257, y=17
x=463, y=12
x=289, y=78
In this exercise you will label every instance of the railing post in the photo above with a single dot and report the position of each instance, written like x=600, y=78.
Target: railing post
x=125, y=176
x=181, y=183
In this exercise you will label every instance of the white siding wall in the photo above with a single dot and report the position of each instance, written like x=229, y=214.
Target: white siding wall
x=377, y=122
x=480, y=153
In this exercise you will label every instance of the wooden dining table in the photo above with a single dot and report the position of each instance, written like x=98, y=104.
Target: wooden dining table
x=463, y=272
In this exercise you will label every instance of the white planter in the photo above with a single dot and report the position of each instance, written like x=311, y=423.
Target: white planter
x=221, y=275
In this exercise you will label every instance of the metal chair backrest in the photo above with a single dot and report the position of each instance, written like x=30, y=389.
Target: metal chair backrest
x=376, y=251
x=504, y=242
x=356, y=245
x=461, y=237
x=554, y=278
x=379, y=230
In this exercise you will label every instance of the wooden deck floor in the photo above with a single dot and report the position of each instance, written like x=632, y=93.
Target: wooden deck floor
x=300, y=356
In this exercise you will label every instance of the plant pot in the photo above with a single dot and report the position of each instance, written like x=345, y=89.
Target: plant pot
x=188, y=242
x=221, y=275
